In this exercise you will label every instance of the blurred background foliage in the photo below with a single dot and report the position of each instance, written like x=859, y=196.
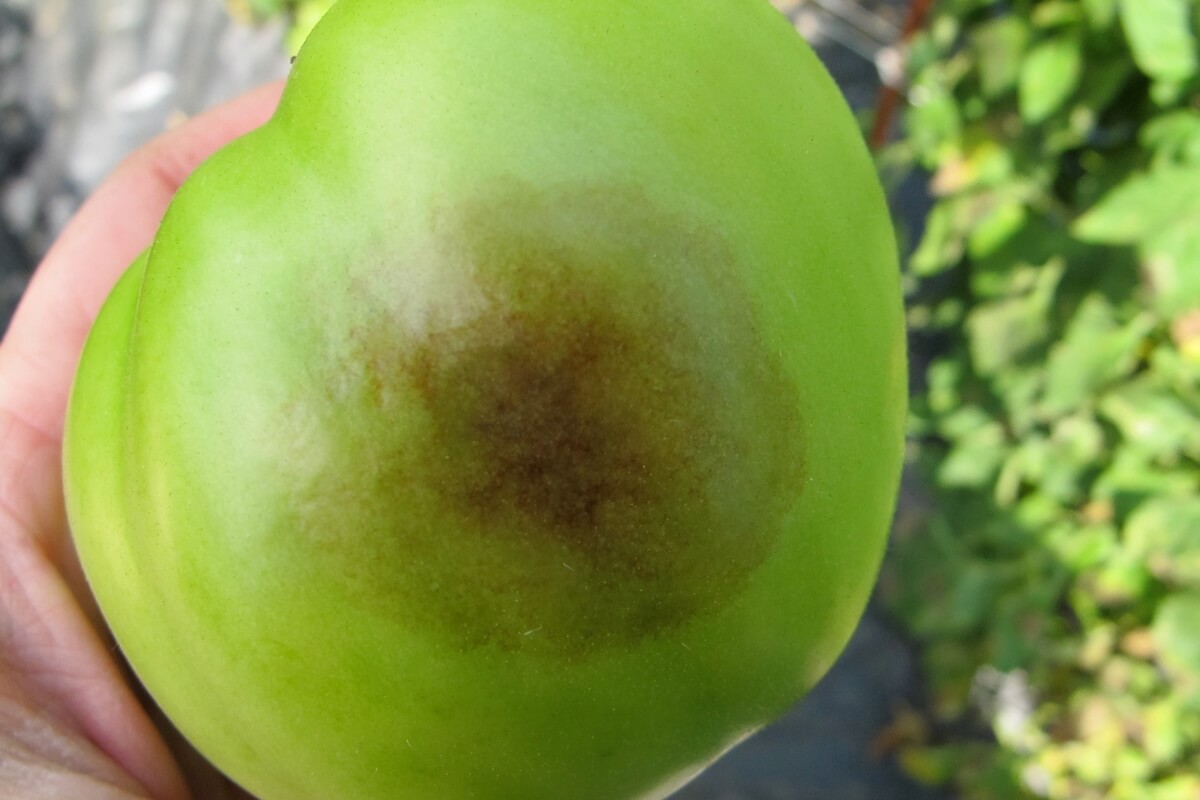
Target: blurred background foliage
x=1054, y=586
x=302, y=15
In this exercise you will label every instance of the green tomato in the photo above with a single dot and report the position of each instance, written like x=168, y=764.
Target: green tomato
x=518, y=414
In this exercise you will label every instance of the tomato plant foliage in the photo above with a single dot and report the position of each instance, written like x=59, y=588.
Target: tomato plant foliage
x=1056, y=587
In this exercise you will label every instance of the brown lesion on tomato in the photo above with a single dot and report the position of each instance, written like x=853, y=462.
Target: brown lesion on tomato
x=565, y=419
x=528, y=411
x=610, y=448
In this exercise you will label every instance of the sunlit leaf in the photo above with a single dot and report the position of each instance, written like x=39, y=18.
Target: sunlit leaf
x=999, y=225
x=1100, y=14
x=1004, y=331
x=1172, y=263
x=1174, y=138
x=1131, y=477
x=1049, y=75
x=1083, y=548
x=1160, y=34
x=1175, y=627
x=1163, y=734
x=1153, y=420
x=1096, y=350
x=1120, y=580
x=999, y=45
x=1165, y=532
x=1052, y=13
x=1143, y=206
x=941, y=245
x=1063, y=419
x=1176, y=787
x=975, y=458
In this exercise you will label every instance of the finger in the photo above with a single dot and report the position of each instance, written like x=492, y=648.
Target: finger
x=38, y=355
x=62, y=696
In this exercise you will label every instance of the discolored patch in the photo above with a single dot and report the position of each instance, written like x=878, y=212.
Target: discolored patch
x=572, y=438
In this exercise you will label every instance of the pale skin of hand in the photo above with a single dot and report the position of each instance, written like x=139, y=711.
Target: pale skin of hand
x=71, y=724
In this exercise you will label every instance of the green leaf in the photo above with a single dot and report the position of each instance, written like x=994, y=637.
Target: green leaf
x=1120, y=580
x=933, y=766
x=933, y=119
x=1178, y=368
x=1049, y=75
x=1142, y=206
x=1160, y=34
x=1167, y=93
x=964, y=422
x=1172, y=263
x=1026, y=463
x=976, y=587
x=1131, y=478
x=1018, y=388
x=993, y=278
x=1063, y=421
x=1164, y=735
x=999, y=46
x=944, y=378
x=1099, y=88
x=1004, y=331
x=1153, y=420
x=1082, y=548
x=1052, y=13
x=1174, y=137
x=1104, y=82
x=1176, y=625
x=1012, y=645
x=1176, y=787
x=1096, y=351
x=942, y=243
x=1100, y=14
x=1015, y=265
x=1053, y=468
x=1079, y=440
x=975, y=457
x=1165, y=533
x=996, y=227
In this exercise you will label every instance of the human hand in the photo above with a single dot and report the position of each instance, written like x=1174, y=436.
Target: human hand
x=71, y=721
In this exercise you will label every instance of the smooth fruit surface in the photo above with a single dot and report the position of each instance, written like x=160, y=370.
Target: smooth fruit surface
x=518, y=414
